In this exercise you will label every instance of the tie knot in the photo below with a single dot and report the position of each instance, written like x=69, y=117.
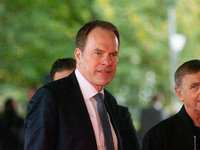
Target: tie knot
x=99, y=97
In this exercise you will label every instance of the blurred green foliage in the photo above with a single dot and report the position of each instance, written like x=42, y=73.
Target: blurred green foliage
x=33, y=34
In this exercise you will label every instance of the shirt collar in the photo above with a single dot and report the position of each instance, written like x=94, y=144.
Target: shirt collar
x=87, y=89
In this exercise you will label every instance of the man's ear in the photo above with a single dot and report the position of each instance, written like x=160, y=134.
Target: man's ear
x=78, y=55
x=179, y=93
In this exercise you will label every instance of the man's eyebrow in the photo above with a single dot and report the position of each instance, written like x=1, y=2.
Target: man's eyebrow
x=98, y=49
x=195, y=83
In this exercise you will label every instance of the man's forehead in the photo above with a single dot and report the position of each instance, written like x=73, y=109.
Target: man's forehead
x=192, y=77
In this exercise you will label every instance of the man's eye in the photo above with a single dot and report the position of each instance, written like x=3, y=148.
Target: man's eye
x=113, y=54
x=194, y=86
x=97, y=53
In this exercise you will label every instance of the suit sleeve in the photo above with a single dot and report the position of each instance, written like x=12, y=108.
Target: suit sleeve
x=41, y=121
x=129, y=135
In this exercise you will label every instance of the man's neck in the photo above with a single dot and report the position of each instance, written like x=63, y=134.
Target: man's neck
x=194, y=115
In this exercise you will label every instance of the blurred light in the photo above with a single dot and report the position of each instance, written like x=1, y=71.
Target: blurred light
x=120, y=98
x=135, y=59
x=151, y=76
x=177, y=42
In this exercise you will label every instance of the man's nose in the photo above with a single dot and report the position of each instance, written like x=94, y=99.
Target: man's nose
x=107, y=60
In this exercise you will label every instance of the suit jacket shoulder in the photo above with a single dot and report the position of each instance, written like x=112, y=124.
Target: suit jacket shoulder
x=57, y=118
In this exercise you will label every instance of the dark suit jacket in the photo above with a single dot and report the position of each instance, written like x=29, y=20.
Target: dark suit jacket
x=57, y=118
x=130, y=138
x=174, y=133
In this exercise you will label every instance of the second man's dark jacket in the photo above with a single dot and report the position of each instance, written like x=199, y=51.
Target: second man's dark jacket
x=175, y=133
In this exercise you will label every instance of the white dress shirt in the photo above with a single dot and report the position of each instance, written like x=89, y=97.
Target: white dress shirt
x=88, y=92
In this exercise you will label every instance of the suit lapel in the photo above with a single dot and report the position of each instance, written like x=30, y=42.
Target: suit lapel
x=81, y=112
x=112, y=109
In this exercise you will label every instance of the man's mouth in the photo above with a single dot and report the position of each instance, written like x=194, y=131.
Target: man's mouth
x=104, y=71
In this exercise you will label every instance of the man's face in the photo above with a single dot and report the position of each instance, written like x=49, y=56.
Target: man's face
x=190, y=92
x=99, y=60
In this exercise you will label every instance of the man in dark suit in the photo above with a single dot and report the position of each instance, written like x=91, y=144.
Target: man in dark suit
x=130, y=140
x=181, y=131
x=62, y=114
